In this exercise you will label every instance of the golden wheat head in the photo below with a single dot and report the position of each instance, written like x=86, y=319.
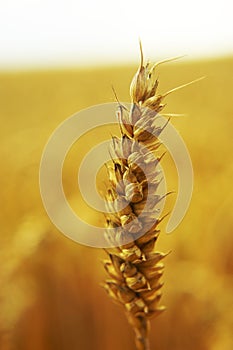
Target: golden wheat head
x=135, y=268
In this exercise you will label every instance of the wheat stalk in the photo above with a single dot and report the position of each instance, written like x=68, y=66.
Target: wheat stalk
x=135, y=269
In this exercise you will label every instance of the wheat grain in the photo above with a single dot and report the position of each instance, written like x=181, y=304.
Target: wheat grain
x=135, y=269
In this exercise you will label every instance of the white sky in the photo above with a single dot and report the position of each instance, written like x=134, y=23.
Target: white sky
x=60, y=32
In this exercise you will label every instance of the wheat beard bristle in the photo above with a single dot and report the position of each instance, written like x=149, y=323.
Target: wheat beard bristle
x=135, y=268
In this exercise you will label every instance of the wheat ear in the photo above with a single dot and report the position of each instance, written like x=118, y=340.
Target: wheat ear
x=135, y=268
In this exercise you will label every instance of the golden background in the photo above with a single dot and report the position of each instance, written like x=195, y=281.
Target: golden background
x=50, y=297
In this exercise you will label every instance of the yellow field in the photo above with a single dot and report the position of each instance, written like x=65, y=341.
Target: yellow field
x=50, y=298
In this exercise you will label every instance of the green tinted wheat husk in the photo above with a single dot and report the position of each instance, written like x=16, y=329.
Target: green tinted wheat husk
x=135, y=268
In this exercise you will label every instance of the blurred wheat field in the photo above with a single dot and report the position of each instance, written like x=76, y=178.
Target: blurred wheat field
x=50, y=296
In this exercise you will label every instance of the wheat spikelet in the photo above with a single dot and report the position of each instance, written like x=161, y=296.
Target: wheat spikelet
x=134, y=268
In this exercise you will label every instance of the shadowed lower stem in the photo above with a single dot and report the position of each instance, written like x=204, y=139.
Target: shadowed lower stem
x=141, y=338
